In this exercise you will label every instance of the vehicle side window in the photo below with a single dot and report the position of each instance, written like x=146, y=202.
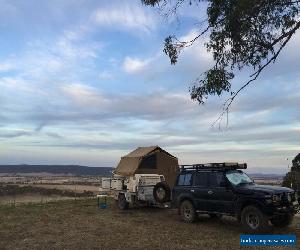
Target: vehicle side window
x=215, y=179
x=200, y=179
x=184, y=180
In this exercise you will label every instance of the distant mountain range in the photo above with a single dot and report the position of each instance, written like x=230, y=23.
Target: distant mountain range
x=265, y=176
x=84, y=170
x=56, y=169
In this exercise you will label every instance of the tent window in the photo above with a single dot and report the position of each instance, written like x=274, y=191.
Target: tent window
x=149, y=162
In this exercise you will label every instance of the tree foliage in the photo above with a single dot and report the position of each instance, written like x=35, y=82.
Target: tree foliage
x=242, y=33
x=288, y=180
x=296, y=161
x=292, y=178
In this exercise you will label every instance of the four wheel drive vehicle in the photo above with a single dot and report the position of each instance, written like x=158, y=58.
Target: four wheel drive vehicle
x=223, y=189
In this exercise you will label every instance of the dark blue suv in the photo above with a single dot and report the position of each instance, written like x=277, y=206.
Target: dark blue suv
x=224, y=189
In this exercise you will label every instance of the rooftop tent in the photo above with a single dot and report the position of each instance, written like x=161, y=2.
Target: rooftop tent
x=149, y=160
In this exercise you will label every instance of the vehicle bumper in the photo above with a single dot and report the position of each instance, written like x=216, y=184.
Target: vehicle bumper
x=292, y=208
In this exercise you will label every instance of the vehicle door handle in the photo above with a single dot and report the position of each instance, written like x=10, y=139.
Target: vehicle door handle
x=192, y=190
x=210, y=192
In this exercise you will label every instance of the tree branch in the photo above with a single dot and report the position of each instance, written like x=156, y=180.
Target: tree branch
x=254, y=76
x=191, y=42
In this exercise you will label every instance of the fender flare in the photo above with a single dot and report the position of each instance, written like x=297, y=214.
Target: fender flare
x=243, y=202
x=183, y=197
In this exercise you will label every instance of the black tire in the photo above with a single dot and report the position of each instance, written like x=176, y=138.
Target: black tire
x=188, y=211
x=122, y=203
x=215, y=216
x=282, y=220
x=253, y=220
x=162, y=192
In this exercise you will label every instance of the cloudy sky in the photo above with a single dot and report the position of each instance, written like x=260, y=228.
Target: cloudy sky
x=85, y=82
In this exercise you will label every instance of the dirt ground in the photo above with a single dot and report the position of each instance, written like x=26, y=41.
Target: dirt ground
x=81, y=225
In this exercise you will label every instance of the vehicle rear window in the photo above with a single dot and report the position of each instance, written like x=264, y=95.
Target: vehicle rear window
x=184, y=179
x=215, y=179
x=200, y=179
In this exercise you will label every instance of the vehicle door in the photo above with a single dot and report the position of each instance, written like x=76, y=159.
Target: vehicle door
x=182, y=187
x=220, y=195
x=200, y=189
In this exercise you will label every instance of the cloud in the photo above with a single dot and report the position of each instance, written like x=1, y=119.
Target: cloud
x=125, y=16
x=84, y=103
x=14, y=134
x=91, y=120
x=70, y=47
x=4, y=67
x=84, y=88
x=18, y=85
x=135, y=65
x=71, y=50
x=197, y=52
x=193, y=61
x=54, y=135
x=105, y=75
x=8, y=10
x=83, y=95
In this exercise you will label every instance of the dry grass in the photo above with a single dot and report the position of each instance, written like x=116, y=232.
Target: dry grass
x=74, y=188
x=81, y=225
x=27, y=198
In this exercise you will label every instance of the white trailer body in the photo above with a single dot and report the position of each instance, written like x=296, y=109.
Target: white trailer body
x=136, y=189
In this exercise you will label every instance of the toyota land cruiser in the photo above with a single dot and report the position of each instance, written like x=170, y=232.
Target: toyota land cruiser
x=220, y=189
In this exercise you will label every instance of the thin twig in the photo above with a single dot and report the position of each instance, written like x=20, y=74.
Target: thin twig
x=254, y=76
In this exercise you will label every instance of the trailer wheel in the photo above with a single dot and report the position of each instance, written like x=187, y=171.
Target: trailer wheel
x=122, y=203
x=162, y=192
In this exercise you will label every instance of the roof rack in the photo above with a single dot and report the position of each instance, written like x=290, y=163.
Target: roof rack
x=222, y=165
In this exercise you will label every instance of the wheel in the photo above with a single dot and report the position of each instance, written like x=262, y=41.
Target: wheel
x=215, y=216
x=253, y=220
x=188, y=211
x=162, y=192
x=283, y=220
x=122, y=203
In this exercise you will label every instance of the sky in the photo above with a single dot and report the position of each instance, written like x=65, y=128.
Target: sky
x=85, y=82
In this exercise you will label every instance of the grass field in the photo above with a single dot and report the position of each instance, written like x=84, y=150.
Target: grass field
x=81, y=225
x=74, y=188
x=30, y=198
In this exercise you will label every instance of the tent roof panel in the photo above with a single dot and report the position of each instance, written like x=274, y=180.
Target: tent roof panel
x=127, y=166
x=143, y=151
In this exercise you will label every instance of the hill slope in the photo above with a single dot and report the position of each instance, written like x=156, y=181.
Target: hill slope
x=56, y=169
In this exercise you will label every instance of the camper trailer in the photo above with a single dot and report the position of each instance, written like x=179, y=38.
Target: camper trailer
x=143, y=176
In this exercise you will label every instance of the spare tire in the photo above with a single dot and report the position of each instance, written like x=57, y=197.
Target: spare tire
x=162, y=192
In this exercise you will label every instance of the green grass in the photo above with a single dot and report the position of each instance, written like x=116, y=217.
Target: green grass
x=81, y=225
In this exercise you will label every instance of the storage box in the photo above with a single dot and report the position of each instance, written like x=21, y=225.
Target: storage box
x=106, y=183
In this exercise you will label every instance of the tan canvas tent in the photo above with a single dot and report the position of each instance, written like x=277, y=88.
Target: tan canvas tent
x=149, y=160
